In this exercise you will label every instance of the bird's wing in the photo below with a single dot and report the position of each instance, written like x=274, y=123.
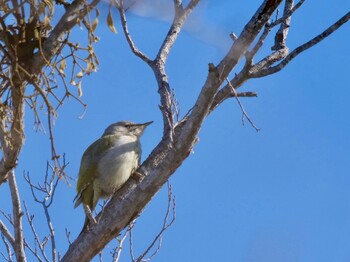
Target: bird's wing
x=88, y=165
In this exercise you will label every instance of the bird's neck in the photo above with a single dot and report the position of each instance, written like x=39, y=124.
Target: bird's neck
x=121, y=139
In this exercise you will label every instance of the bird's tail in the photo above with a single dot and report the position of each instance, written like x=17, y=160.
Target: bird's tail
x=77, y=200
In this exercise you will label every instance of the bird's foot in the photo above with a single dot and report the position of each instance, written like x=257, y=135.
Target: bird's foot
x=89, y=215
x=138, y=176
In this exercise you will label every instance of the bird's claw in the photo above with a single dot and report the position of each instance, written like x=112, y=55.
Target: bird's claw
x=138, y=176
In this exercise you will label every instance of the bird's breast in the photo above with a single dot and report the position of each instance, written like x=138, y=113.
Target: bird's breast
x=116, y=166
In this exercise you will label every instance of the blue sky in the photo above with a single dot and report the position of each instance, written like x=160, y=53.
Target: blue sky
x=281, y=194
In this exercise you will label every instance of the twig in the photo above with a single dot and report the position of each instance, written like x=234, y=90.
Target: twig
x=132, y=46
x=118, y=250
x=33, y=251
x=50, y=111
x=244, y=113
x=37, y=241
x=52, y=233
x=130, y=227
x=165, y=226
x=7, y=216
x=48, y=189
x=245, y=94
x=68, y=236
x=287, y=13
x=8, y=249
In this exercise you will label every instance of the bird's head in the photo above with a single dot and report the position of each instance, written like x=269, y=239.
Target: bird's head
x=126, y=128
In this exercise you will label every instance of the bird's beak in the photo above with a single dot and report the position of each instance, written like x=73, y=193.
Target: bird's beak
x=145, y=124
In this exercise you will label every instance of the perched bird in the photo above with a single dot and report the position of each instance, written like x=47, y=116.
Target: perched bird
x=108, y=163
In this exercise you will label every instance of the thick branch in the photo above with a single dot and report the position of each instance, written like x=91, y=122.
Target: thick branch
x=269, y=60
x=218, y=74
x=281, y=35
x=130, y=200
x=4, y=230
x=249, y=33
x=12, y=140
x=17, y=219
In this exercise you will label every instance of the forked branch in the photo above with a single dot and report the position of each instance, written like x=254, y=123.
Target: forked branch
x=317, y=39
x=178, y=140
x=171, y=208
x=167, y=96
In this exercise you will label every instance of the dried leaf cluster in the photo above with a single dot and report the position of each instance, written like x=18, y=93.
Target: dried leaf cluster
x=25, y=26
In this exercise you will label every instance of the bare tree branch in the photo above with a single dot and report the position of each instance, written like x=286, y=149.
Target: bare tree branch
x=7, y=216
x=280, y=46
x=165, y=226
x=249, y=33
x=37, y=242
x=132, y=46
x=118, y=250
x=281, y=35
x=226, y=91
x=302, y=48
x=192, y=4
x=264, y=67
x=12, y=140
x=180, y=17
x=166, y=94
x=4, y=230
x=129, y=201
x=8, y=249
x=244, y=113
x=289, y=9
x=15, y=80
x=41, y=64
x=68, y=236
x=17, y=218
x=158, y=238
x=167, y=97
x=48, y=190
x=130, y=227
x=219, y=73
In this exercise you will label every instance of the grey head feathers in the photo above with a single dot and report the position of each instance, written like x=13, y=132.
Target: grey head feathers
x=126, y=128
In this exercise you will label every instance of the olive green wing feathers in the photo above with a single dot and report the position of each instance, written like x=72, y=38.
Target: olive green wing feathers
x=89, y=169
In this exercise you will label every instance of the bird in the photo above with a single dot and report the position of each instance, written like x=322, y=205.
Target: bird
x=108, y=163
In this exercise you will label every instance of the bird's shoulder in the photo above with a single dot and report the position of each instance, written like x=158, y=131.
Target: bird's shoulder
x=89, y=162
x=100, y=146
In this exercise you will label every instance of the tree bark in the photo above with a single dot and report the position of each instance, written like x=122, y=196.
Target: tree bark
x=128, y=202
